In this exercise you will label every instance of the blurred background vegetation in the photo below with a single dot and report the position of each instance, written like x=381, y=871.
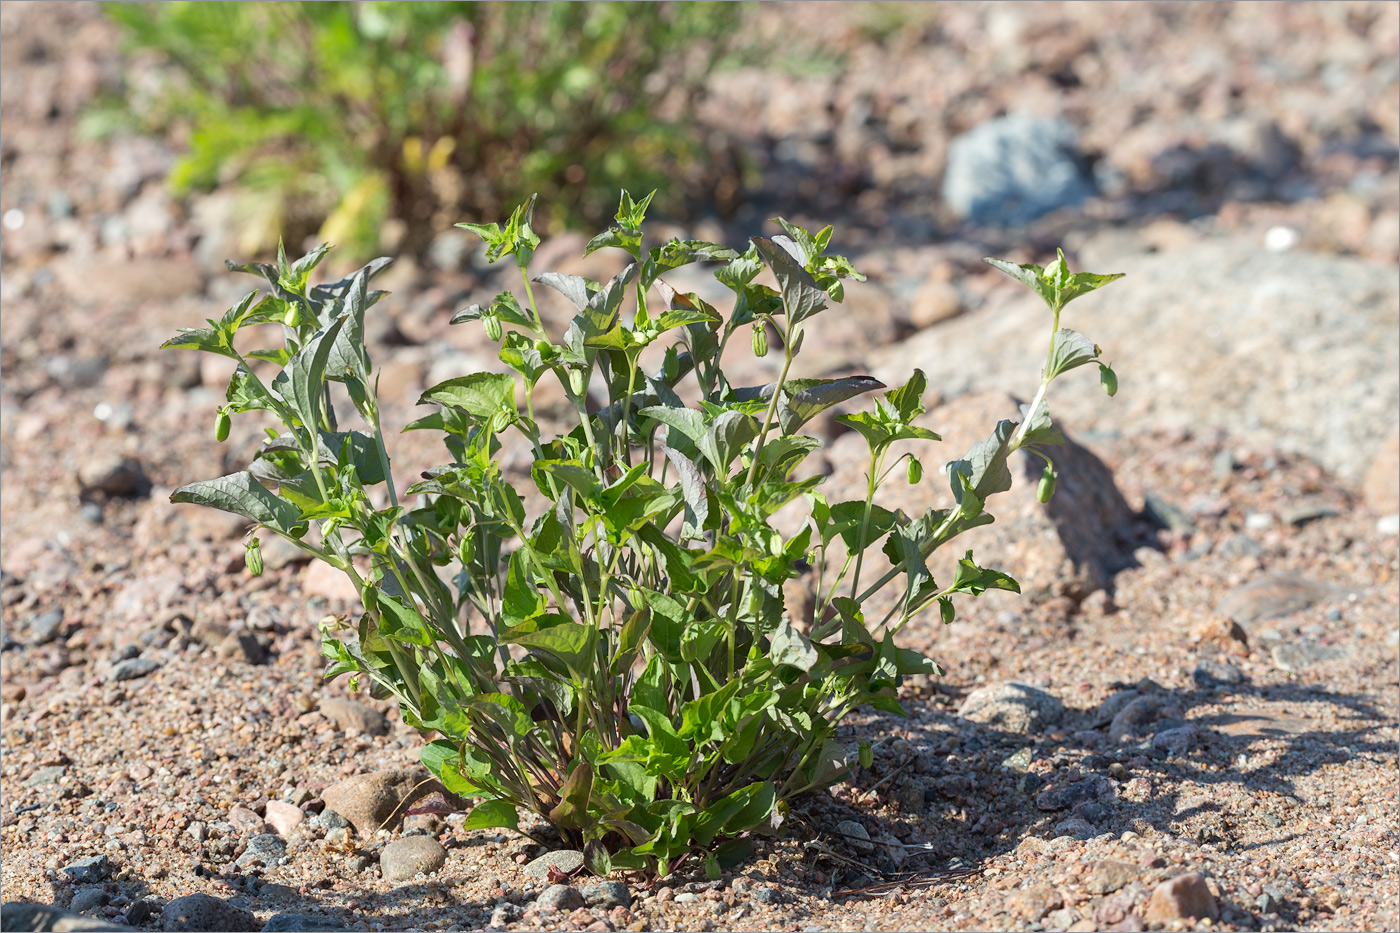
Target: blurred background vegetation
x=376, y=125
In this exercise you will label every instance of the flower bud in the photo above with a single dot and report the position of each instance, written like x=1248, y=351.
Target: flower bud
x=578, y=382
x=1046, y=488
x=501, y=420
x=252, y=557
x=221, y=427
x=493, y=327
x=1108, y=379
x=916, y=470
x=760, y=340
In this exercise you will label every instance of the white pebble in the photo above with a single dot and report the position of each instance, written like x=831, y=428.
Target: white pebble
x=13, y=219
x=1389, y=525
x=1280, y=239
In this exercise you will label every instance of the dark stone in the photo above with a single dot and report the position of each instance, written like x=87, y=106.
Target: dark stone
x=203, y=912
x=91, y=870
x=607, y=894
x=1063, y=796
x=1217, y=674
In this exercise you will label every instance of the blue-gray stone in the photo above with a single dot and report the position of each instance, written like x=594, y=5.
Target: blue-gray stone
x=1013, y=169
x=91, y=870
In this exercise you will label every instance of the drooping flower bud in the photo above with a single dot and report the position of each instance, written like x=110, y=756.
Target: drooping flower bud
x=221, y=426
x=916, y=470
x=760, y=340
x=253, y=558
x=1046, y=487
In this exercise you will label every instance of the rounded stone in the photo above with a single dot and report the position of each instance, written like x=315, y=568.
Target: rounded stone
x=404, y=858
x=607, y=894
x=567, y=861
x=1013, y=707
x=204, y=912
x=559, y=897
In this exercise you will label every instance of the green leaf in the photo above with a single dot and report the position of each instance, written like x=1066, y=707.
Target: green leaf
x=790, y=647
x=802, y=296
x=241, y=494
x=985, y=464
x=480, y=394
x=492, y=814
x=629, y=641
x=908, y=399
x=305, y=376
x=977, y=580
x=848, y=517
x=575, y=288
x=402, y=622
x=572, y=810
x=808, y=398
x=201, y=338
x=569, y=642
x=693, y=491
x=1071, y=350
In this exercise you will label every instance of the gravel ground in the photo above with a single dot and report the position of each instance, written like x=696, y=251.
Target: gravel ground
x=1211, y=745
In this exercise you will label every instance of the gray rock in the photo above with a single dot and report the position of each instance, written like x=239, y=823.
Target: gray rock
x=1062, y=796
x=21, y=915
x=559, y=897
x=372, y=801
x=1216, y=346
x=88, y=899
x=113, y=475
x=1297, y=655
x=268, y=850
x=91, y=870
x=1110, y=875
x=1176, y=741
x=767, y=894
x=607, y=894
x=207, y=913
x=1013, y=707
x=1166, y=514
x=566, y=860
x=132, y=668
x=347, y=714
x=1076, y=827
x=44, y=627
x=1134, y=717
x=1113, y=705
x=686, y=897
x=404, y=858
x=1217, y=673
x=289, y=922
x=328, y=819
x=240, y=646
x=1013, y=169
x=503, y=914
x=1019, y=760
x=854, y=835
x=1239, y=545
x=1267, y=903
x=1275, y=597
x=49, y=774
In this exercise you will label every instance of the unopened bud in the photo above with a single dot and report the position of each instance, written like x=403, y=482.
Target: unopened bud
x=493, y=327
x=916, y=470
x=1046, y=488
x=253, y=558
x=760, y=340
x=1108, y=379
x=578, y=382
x=221, y=427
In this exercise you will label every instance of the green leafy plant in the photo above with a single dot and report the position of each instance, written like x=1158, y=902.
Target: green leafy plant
x=612, y=649
x=338, y=116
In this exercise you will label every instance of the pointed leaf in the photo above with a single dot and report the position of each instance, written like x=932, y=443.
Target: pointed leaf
x=242, y=495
